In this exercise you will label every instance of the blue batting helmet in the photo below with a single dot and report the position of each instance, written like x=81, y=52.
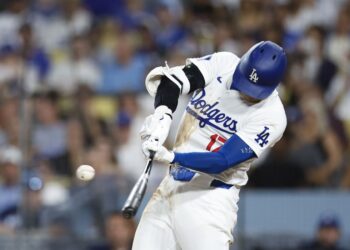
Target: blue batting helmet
x=260, y=70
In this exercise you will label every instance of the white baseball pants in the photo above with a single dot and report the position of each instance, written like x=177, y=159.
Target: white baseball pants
x=188, y=216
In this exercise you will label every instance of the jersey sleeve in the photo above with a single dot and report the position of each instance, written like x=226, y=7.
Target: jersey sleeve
x=261, y=133
x=215, y=64
x=233, y=152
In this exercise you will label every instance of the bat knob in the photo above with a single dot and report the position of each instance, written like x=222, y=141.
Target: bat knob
x=128, y=212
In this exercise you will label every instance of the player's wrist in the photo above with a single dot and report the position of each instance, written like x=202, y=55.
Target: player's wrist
x=163, y=111
x=175, y=159
x=164, y=155
x=170, y=156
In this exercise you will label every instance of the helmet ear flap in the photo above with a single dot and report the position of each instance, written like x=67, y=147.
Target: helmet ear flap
x=260, y=70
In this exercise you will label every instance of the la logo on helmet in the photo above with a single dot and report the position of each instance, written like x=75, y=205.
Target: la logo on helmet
x=253, y=76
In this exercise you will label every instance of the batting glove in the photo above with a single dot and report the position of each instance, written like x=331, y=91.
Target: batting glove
x=151, y=144
x=164, y=155
x=157, y=126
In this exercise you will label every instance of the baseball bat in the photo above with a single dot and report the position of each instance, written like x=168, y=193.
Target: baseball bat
x=135, y=197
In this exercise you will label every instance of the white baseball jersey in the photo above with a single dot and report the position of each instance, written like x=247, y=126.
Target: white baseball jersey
x=217, y=112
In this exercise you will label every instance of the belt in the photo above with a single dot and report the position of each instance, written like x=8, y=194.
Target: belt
x=180, y=173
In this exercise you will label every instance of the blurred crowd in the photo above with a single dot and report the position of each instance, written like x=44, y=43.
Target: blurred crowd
x=72, y=92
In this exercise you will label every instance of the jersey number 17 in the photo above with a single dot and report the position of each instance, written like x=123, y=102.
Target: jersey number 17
x=213, y=139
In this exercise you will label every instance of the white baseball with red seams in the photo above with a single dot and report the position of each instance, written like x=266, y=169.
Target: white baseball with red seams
x=85, y=173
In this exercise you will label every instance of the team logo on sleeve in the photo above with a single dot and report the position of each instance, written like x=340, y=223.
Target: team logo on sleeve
x=262, y=138
x=253, y=76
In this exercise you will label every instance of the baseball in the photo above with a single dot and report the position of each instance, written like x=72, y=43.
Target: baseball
x=85, y=173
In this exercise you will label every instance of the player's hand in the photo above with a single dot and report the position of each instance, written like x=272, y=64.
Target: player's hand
x=157, y=126
x=164, y=155
x=151, y=144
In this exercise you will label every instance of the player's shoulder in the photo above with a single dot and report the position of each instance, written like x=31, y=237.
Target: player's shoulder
x=274, y=104
x=272, y=110
x=278, y=113
x=227, y=55
x=226, y=62
x=218, y=58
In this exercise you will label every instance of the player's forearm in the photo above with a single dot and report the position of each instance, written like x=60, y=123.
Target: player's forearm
x=233, y=152
x=167, y=94
x=207, y=162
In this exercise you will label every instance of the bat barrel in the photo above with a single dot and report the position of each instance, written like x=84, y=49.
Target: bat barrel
x=135, y=197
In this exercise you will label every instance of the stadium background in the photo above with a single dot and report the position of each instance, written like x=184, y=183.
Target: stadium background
x=72, y=92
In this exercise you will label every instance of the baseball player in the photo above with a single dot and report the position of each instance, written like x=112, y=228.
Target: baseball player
x=234, y=115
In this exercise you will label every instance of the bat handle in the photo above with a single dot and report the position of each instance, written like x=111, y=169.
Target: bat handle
x=149, y=162
x=151, y=154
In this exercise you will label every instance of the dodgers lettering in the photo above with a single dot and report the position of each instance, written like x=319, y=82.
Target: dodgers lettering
x=211, y=115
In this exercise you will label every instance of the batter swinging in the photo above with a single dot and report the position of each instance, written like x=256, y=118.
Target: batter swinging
x=234, y=115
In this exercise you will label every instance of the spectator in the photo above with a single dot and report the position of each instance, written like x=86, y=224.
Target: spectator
x=338, y=94
x=84, y=127
x=11, y=18
x=51, y=191
x=319, y=69
x=134, y=15
x=169, y=32
x=104, y=8
x=303, y=14
x=77, y=69
x=50, y=133
x=36, y=61
x=147, y=47
x=11, y=70
x=48, y=25
x=338, y=99
x=127, y=125
x=77, y=19
x=328, y=235
x=339, y=41
x=316, y=148
x=10, y=190
x=32, y=215
x=251, y=20
x=54, y=30
x=90, y=203
x=126, y=71
x=119, y=233
x=9, y=121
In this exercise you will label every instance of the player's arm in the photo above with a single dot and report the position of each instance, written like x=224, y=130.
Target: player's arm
x=249, y=142
x=173, y=82
x=233, y=152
